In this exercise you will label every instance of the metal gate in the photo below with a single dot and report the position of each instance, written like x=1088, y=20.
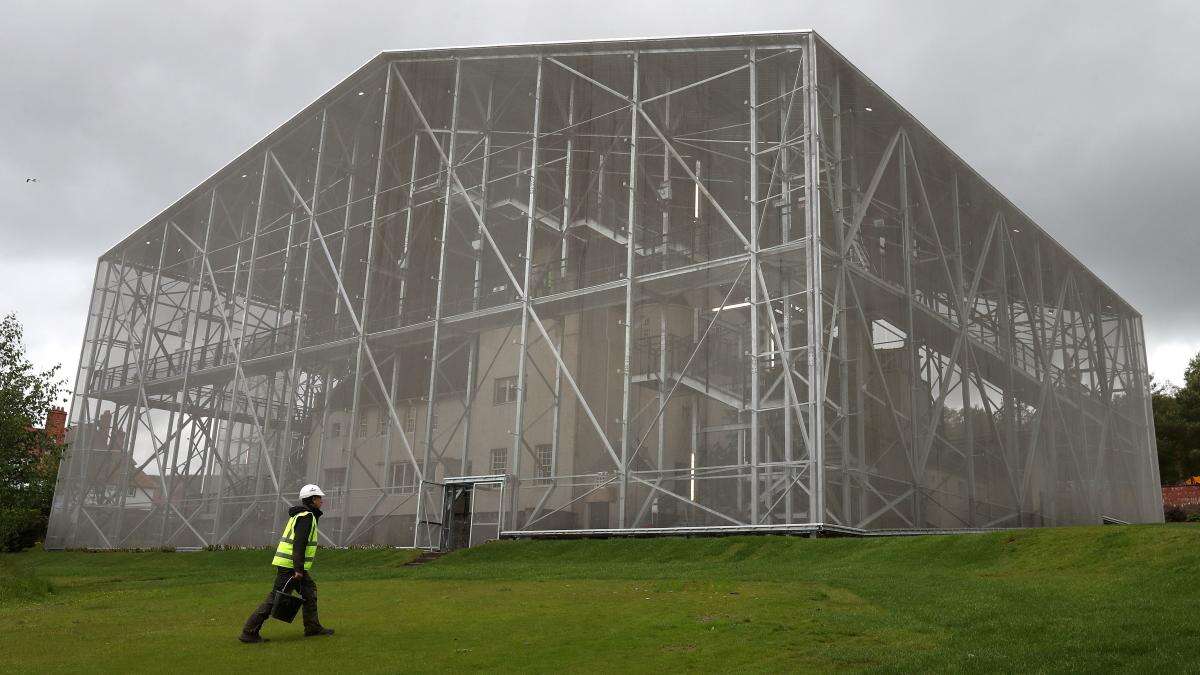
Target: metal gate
x=472, y=508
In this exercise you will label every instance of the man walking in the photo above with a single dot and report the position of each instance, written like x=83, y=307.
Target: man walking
x=293, y=559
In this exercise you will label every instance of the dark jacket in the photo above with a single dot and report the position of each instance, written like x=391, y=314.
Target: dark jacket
x=300, y=536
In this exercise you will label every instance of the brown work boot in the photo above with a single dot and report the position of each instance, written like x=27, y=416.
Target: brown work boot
x=252, y=638
x=319, y=631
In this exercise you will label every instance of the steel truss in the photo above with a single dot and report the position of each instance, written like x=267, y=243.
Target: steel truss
x=708, y=284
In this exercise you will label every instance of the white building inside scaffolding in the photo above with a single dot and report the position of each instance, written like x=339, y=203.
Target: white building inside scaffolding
x=654, y=285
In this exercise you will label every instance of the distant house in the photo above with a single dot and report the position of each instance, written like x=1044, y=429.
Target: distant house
x=56, y=425
x=56, y=428
x=143, y=491
x=1183, y=494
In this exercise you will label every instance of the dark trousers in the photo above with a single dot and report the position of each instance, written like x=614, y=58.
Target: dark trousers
x=308, y=591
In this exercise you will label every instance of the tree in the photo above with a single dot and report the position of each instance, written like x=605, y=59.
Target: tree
x=28, y=455
x=1177, y=425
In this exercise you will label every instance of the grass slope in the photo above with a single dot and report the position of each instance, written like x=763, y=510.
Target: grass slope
x=1055, y=599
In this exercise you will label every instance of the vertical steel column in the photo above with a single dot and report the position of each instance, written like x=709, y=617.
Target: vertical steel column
x=285, y=381
x=812, y=204
x=284, y=286
x=485, y=175
x=344, y=244
x=364, y=315
x=203, y=264
x=1073, y=370
x=915, y=431
x=294, y=377
x=964, y=320
x=237, y=362
x=785, y=234
x=564, y=253
x=130, y=429
x=1100, y=348
x=408, y=221
x=437, y=311
x=389, y=484
x=1045, y=373
x=212, y=455
x=627, y=362
x=176, y=417
x=527, y=299
x=404, y=269
x=755, y=273
x=843, y=349
x=131, y=435
x=340, y=275
x=143, y=358
x=326, y=376
x=668, y=191
x=663, y=305
x=287, y=396
x=208, y=459
x=565, y=224
x=477, y=279
x=1006, y=347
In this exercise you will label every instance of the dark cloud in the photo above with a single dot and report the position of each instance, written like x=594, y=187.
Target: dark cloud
x=1083, y=113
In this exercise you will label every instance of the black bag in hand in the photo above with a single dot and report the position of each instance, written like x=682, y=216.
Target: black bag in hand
x=285, y=606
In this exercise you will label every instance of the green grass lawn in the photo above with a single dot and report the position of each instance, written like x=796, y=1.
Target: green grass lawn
x=1097, y=598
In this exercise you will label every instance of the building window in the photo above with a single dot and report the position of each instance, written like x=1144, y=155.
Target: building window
x=335, y=479
x=335, y=430
x=543, y=454
x=410, y=419
x=404, y=479
x=499, y=463
x=384, y=419
x=362, y=425
x=132, y=491
x=506, y=390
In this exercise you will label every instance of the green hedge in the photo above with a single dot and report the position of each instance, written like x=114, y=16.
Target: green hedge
x=20, y=528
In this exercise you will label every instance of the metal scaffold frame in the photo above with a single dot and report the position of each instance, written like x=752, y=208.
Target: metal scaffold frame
x=709, y=284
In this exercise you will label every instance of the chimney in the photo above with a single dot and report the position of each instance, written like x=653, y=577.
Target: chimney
x=56, y=424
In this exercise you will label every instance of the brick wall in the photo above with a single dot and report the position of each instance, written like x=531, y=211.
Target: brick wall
x=1181, y=495
x=56, y=424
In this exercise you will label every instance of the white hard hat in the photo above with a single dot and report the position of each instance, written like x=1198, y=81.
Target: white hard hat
x=310, y=490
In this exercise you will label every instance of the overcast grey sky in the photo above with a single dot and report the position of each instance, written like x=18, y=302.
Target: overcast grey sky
x=1086, y=114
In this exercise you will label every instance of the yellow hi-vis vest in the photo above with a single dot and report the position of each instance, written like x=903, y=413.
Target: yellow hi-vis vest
x=283, y=554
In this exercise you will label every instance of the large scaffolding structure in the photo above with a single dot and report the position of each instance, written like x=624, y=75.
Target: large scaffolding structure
x=654, y=285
